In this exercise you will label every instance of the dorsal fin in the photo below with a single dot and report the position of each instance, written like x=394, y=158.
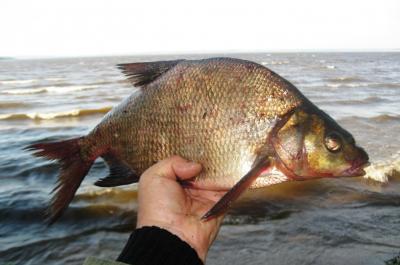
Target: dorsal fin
x=143, y=73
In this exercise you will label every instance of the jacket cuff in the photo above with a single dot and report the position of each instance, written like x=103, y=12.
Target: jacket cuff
x=156, y=246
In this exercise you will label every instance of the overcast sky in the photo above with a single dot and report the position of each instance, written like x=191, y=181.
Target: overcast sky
x=44, y=28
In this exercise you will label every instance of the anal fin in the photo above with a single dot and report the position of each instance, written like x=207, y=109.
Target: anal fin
x=223, y=204
x=120, y=173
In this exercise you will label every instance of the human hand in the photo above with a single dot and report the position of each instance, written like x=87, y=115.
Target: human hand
x=163, y=202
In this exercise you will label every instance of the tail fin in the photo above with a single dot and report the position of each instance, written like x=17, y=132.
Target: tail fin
x=73, y=170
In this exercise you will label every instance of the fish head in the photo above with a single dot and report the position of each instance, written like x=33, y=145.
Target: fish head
x=311, y=144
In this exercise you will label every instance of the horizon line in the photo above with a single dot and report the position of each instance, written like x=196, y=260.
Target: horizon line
x=174, y=53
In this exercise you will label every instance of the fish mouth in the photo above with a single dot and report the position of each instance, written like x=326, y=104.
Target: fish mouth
x=356, y=169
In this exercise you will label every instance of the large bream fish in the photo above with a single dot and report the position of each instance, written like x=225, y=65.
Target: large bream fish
x=246, y=125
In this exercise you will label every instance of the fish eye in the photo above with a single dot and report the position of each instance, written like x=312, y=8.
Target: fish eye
x=333, y=142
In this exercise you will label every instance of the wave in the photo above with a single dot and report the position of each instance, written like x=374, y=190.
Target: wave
x=50, y=89
x=11, y=105
x=12, y=82
x=120, y=196
x=385, y=117
x=29, y=81
x=366, y=100
x=346, y=79
x=378, y=118
x=275, y=62
x=55, y=79
x=93, y=204
x=54, y=115
x=383, y=171
x=362, y=84
x=74, y=213
x=24, y=91
x=386, y=85
x=111, y=82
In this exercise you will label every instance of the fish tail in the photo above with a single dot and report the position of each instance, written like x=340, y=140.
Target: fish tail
x=73, y=169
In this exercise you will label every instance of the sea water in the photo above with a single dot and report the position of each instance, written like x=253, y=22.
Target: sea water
x=327, y=221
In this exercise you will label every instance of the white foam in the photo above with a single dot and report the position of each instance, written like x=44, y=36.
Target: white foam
x=40, y=116
x=382, y=171
x=50, y=89
x=55, y=79
x=5, y=116
x=347, y=85
x=53, y=115
x=24, y=91
x=66, y=89
x=49, y=116
x=275, y=62
x=11, y=82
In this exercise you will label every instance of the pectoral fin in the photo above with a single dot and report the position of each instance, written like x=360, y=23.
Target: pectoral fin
x=223, y=204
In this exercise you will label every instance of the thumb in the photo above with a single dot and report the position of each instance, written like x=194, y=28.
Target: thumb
x=186, y=169
x=172, y=168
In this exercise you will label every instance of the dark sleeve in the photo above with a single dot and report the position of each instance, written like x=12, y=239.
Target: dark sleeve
x=156, y=246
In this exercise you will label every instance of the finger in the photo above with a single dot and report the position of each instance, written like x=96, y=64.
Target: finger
x=172, y=167
x=211, y=196
x=162, y=169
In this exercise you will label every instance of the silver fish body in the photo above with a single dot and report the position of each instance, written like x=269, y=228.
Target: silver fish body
x=235, y=117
